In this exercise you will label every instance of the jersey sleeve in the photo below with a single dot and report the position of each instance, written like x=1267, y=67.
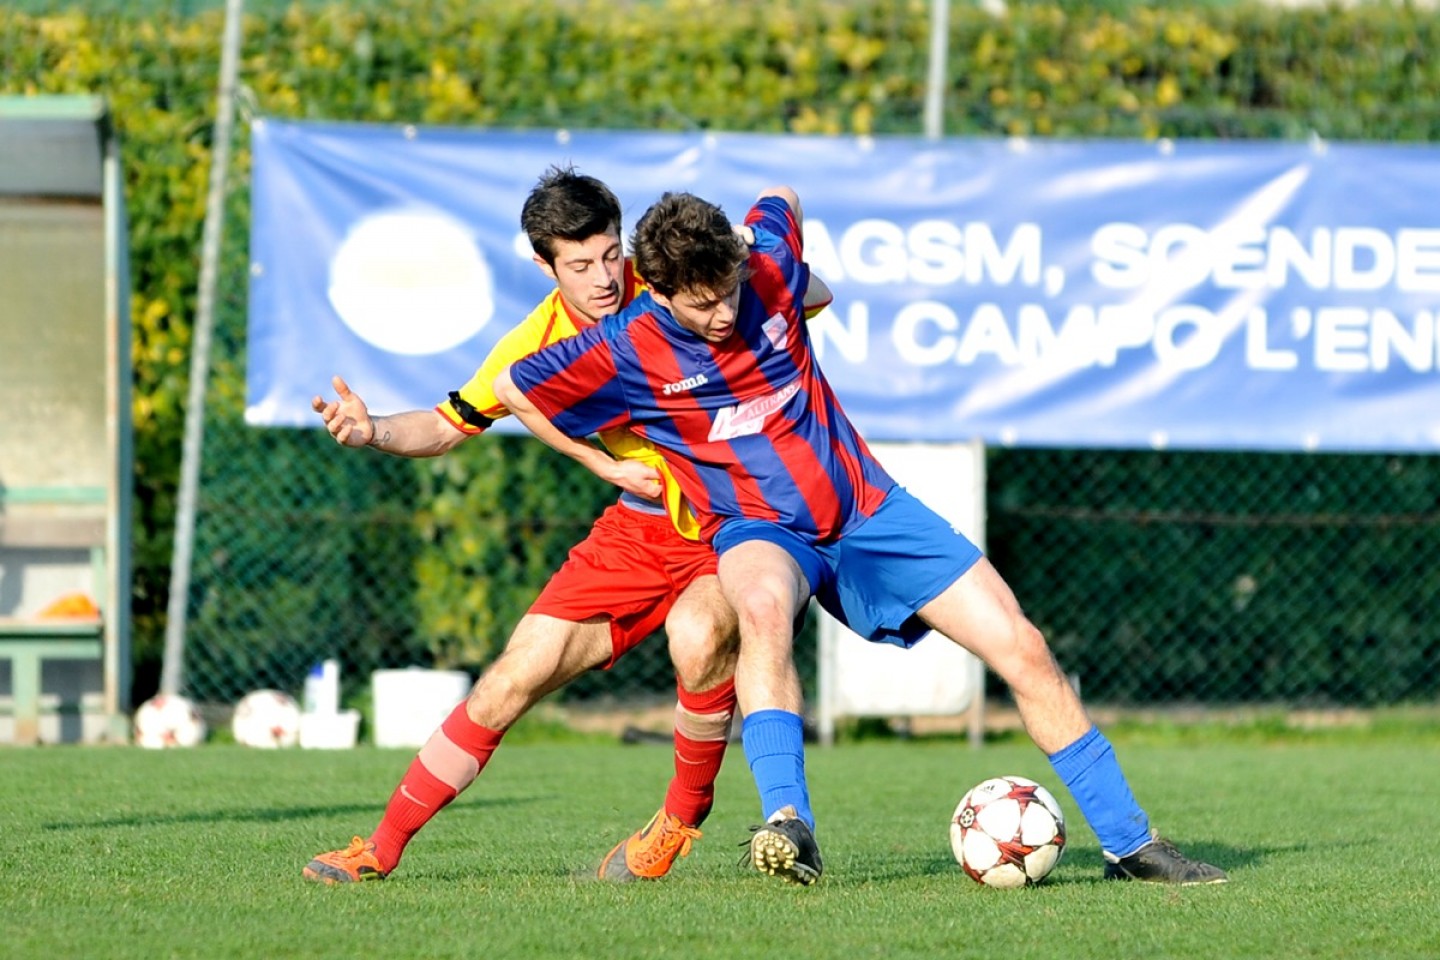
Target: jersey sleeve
x=575, y=384
x=473, y=408
x=778, y=270
x=774, y=216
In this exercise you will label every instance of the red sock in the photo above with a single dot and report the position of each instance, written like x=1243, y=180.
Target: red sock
x=448, y=763
x=702, y=732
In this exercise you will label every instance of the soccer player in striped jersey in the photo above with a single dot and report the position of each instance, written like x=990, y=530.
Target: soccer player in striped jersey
x=715, y=367
x=642, y=566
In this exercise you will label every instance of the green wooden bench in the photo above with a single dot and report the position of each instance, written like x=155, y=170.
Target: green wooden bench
x=27, y=644
x=53, y=542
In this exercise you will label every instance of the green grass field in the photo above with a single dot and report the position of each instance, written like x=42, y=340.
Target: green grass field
x=116, y=853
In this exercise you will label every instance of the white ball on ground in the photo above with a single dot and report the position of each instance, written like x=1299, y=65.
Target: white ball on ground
x=168, y=720
x=1008, y=832
x=267, y=719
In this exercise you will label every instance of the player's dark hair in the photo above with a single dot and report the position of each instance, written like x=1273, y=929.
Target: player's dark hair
x=685, y=243
x=565, y=205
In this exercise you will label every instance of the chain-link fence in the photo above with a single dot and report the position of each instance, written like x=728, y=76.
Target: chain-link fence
x=1160, y=577
x=1226, y=578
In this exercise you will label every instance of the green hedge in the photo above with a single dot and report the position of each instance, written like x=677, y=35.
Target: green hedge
x=801, y=66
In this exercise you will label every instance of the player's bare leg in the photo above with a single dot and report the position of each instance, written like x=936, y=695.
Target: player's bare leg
x=768, y=589
x=704, y=636
x=543, y=654
x=980, y=612
x=703, y=642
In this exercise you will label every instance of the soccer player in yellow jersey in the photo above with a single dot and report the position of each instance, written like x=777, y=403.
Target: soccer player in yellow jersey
x=641, y=567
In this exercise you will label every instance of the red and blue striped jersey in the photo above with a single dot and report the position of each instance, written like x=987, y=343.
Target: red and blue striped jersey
x=749, y=426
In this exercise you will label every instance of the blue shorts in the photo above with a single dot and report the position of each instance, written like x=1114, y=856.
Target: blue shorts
x=873, y=578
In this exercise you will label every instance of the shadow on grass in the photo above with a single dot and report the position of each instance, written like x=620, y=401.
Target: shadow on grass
x=1081, y=868
x=269, y=814
x=1081, y=865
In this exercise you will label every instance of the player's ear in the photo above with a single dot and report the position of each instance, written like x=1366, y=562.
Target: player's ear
x=661, y=299
x=545, y=267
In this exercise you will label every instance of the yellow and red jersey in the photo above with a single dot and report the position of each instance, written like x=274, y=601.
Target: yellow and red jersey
x=473, y=407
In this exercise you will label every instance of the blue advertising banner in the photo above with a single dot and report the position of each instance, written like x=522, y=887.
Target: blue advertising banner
x=1196, y=295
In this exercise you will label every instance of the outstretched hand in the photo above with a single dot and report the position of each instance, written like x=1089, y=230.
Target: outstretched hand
x=347, y=419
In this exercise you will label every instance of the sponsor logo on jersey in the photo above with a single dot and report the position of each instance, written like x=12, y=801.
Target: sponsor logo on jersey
x=744, y=419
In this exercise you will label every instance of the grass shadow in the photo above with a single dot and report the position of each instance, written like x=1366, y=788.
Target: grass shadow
x=269, y=814
x=1080, y=865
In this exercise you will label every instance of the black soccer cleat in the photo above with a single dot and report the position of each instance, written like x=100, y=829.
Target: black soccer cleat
x=785, y=847
x=1160, y=861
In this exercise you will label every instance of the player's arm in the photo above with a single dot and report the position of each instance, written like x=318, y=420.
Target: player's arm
x=630, y=475
x=791, y=198
x=747, y=233
x=414, y=433
x=818, y=295
x=467, y=412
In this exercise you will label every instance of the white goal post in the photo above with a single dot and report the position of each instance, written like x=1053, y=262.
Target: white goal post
x=935, y=677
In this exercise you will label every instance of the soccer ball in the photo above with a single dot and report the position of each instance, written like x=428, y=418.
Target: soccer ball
x=1008, y=832
x=267, y=718
x=168, y=720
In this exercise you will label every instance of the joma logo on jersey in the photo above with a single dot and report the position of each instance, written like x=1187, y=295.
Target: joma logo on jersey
x=744, y=419
x=689, y=383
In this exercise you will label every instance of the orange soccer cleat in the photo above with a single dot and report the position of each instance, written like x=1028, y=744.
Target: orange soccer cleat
x=355, y=863
x=650, y=852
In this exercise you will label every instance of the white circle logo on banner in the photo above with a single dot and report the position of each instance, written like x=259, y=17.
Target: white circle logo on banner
x=411, y=282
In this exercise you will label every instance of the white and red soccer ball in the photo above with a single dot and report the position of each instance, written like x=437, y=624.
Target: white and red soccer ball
x=1008, y=832
x=168, y=720
x=267, y=718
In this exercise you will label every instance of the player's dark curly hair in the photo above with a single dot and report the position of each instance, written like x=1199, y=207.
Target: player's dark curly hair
x=685, y=243
x=565, y=205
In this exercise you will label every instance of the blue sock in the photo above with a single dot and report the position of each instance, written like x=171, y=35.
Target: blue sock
x=1090, y=771
x=774, y=743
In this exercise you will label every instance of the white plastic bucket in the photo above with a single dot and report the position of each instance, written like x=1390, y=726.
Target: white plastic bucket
x=410, y=704
x=329, y=731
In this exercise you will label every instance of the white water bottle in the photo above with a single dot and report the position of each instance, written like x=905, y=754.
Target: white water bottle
x=322, y=688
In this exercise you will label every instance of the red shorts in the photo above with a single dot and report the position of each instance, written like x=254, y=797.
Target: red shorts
x=631, y=568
